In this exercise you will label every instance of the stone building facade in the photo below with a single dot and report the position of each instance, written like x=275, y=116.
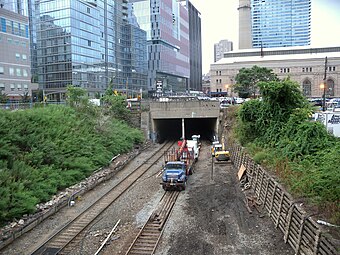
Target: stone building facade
x=304, y=65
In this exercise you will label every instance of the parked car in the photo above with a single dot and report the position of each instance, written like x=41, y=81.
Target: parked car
x=239, y=100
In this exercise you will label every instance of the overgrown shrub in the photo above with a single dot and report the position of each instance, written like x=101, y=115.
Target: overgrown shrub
x=278, y=132
x=43, y=150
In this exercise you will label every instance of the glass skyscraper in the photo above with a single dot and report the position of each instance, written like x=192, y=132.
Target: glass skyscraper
x=195, y=42
x=167, y=26
x=88, y=44
x=17, y=6
x=280, y=23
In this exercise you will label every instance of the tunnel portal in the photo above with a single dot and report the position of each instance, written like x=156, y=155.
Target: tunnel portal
x=171, y=129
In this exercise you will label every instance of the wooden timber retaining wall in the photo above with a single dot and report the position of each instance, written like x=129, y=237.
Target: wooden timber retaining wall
x=303, y=234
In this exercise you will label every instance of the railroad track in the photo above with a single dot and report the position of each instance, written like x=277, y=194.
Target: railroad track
x=149, y=236
x=64, y=241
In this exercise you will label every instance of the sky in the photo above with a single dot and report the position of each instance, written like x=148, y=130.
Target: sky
x=220, y=21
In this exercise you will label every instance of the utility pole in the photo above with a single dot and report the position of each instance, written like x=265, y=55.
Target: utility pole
x=324, y=87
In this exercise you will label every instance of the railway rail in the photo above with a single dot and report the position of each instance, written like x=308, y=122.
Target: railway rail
x=64, y=241
x=148, y=238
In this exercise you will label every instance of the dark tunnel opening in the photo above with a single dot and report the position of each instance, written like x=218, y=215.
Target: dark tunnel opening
x=171, y=129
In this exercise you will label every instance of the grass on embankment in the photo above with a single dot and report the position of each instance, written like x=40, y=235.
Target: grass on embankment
x=45, y=150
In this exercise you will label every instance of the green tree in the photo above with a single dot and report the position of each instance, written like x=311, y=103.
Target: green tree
x=75, y=96
x=264, y=120
x=116, y=105
x=3, y=97
x=25, y=97
x=109, y=91
x=247, y=80
x=278, y=133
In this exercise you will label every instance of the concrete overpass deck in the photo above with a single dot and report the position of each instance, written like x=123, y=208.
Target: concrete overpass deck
x=181, y=118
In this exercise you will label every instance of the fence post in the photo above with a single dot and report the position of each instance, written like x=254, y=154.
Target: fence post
x=272, y=201
x=317, y=241
x=280, y=207
x=262, y=176
x=290, y=214
x=266, y=192
x=256, y=172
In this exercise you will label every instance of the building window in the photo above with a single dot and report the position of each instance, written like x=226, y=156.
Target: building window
x=220, y=72
x=24, y=73
x=88, y=43
x=11, y=71
x=3, y=25
x=9, y=26
x=216, y=72
x=2, y=86
x=19, y=86
x=220, y=81
x=216, y=81
x=331, y=68
x=18, y=72
x=25, y=87
x=2, y=70
x=12, y=87
x=17, y=56
x=88, y=10
x=330, y=87
x=307, y=88
x=24, y=57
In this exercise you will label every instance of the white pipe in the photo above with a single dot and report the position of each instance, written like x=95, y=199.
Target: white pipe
x=107, y=238
x=114, y=158
x=183, y=129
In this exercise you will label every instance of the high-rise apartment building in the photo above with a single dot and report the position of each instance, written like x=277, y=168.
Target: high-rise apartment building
x=275, y=23
x=17, y=6
x=25, y=8
x=195, y=42
x=221, y=47
x=15, y=76
x=88, y=44
x=167, y=26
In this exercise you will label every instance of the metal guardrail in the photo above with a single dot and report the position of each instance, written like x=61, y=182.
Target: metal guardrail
x=302, y=233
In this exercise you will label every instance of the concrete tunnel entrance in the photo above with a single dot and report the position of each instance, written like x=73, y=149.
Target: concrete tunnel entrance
x=171, y=129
